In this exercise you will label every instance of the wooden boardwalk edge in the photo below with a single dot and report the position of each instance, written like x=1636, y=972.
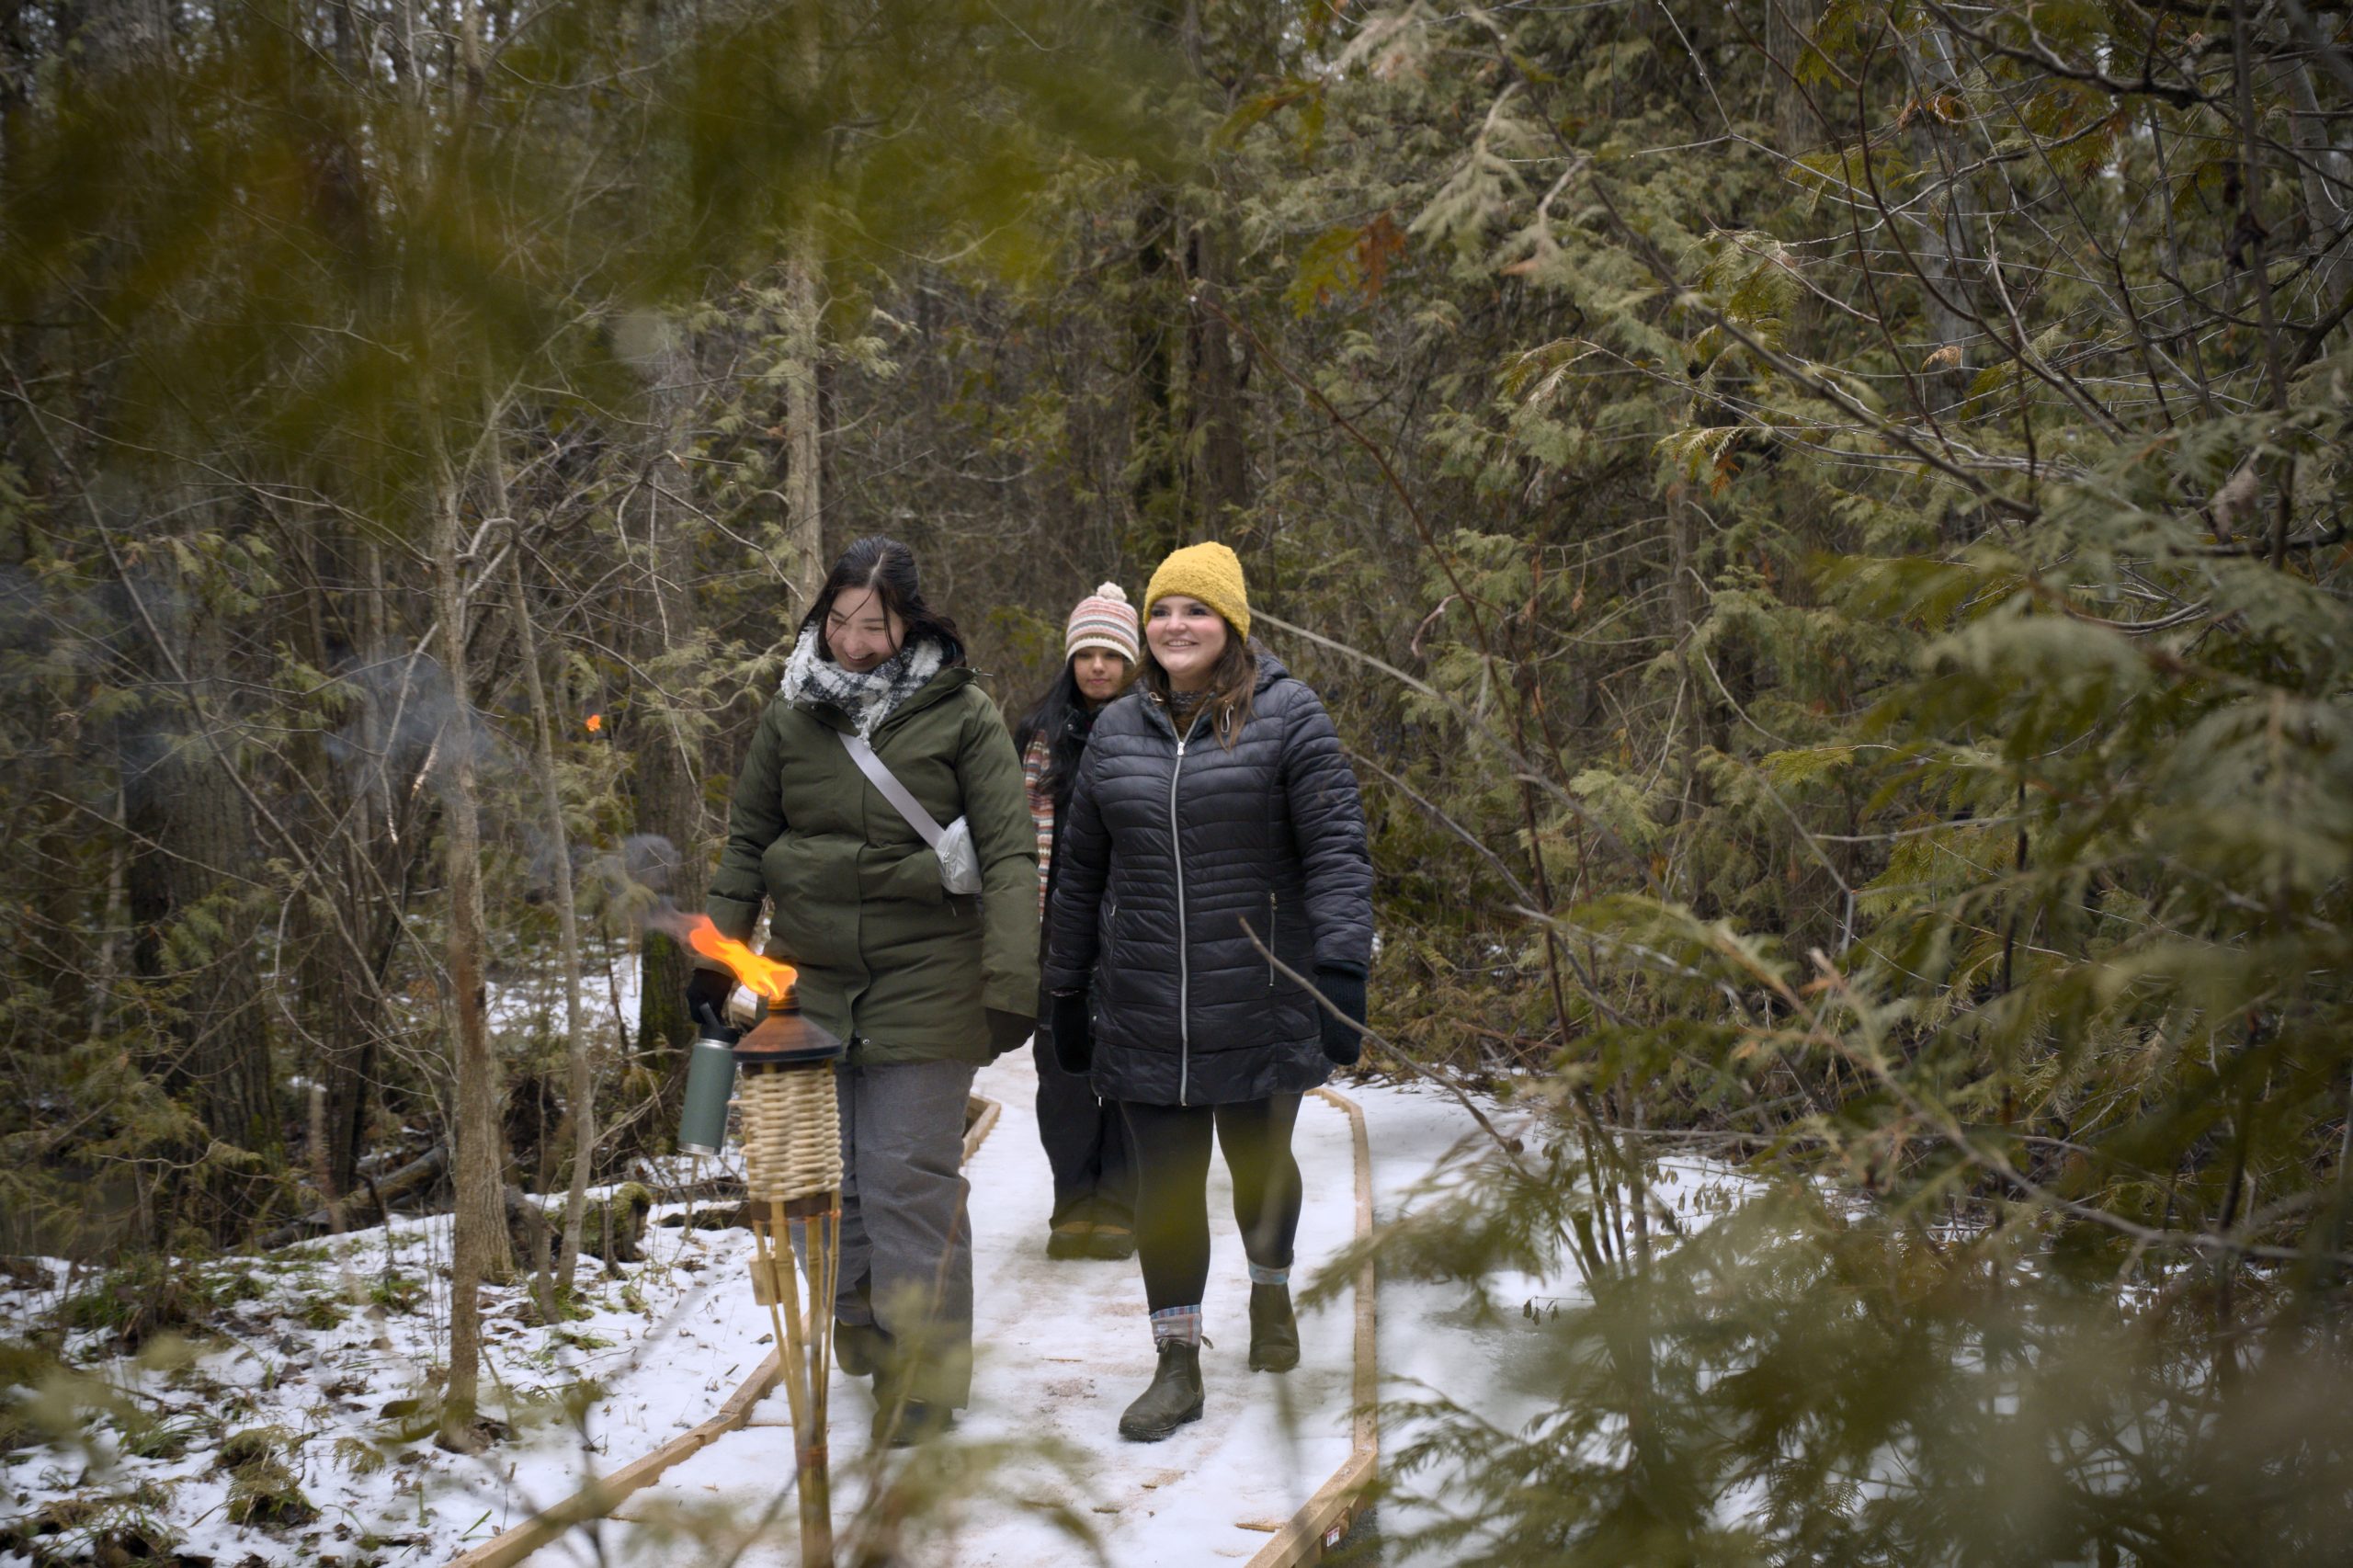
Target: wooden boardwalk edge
x=604, y=1493
x=1325, y=1520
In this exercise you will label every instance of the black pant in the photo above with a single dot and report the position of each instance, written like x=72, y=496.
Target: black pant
x=1171, y=1156
x=1086, y=1143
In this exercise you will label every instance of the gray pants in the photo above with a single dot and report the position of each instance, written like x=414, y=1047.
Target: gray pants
x=907, y=1262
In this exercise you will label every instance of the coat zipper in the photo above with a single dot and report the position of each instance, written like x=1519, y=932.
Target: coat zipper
x=1184, y=959
x=1274, y=912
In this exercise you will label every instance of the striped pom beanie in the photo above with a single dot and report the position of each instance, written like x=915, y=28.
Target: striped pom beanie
x=1104, y=619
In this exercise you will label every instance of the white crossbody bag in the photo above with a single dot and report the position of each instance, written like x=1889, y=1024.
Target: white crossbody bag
x=960, y=861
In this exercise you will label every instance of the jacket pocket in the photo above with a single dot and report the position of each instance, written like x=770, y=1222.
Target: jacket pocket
x=1106, y=960
x=1274, y=917
x=913, y=878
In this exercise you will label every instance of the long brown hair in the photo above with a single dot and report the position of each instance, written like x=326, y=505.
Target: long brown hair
x=1233, y=685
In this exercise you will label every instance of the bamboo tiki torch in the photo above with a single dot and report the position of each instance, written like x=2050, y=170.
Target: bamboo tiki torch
x=792, y=1163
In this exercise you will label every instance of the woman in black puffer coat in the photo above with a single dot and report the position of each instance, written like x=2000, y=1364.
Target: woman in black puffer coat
x=1214, y=812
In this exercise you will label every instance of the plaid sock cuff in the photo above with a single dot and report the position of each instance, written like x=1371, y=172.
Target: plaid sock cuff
x=1269, y=1276
x=1182, y=1324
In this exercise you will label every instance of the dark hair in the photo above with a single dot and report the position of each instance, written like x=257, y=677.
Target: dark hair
x=1234, y=684
x=1062, y=716
x=889, y=568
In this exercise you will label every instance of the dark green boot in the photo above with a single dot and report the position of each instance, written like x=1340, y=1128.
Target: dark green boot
x=904, y=1423
x=1274, y=1332
x=861, y=1348
x=1174, y=1398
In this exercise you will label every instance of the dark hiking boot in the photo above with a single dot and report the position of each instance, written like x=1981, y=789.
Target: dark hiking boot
x=861, y=1348
x=1111, y=1242
x=1174, y=1398
x=1274, y=1332
x=904, y=1423
x=1071, y=1239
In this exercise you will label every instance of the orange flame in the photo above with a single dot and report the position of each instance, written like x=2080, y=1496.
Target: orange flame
x=594, y=723
x=764, y=975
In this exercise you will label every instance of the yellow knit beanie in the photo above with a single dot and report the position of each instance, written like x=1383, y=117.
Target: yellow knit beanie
x=1210, y=572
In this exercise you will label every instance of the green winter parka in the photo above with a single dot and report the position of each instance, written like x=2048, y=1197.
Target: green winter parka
x=889, y=959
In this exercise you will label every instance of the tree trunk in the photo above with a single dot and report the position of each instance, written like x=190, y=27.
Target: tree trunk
x=1939, y=230
x=583, y=1091
x=1155, y=477
x=804, y=312
x=479, y=1248
x=667, y=786
x=1686, y=610
x=803, y=492
x=2325, y=172
x=338, y=1002
x=1786, y=27
x=1222, y=487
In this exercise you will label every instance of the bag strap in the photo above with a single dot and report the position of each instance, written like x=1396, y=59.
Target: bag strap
x=861, y=752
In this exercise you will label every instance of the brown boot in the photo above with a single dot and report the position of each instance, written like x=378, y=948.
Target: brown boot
x=1274, y=1332
x=1174, y=1398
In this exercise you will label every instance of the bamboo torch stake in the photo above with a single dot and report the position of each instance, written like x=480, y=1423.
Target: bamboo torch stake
x=792, y=1147
x=776, y=1283
x=802, y=1376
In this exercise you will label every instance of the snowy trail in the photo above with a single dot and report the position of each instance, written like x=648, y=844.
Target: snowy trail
x=1061, y=1348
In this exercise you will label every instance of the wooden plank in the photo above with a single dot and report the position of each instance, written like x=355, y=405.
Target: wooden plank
x=1326, y=1518
x=980, y=1123
x=604, y=1493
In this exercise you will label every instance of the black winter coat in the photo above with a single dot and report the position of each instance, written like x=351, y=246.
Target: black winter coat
x=1167, y=850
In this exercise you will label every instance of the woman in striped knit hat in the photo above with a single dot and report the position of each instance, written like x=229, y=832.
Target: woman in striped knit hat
x=1085, y=1140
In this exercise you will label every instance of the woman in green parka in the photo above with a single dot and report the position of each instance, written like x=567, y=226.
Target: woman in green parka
x=926, y=985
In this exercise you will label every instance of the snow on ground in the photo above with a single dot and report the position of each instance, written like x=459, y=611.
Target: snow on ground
x=332, y=1350
x=327, y=1347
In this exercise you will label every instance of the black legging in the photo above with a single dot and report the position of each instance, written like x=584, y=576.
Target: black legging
x=1170, y=1145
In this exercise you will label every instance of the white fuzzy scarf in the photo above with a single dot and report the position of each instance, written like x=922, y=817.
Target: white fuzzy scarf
x=868, y=696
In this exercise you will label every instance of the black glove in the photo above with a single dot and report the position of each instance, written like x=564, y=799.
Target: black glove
x=708, y=988
x=1343, y=988
x=1008, y=1031
x=1074, y=1032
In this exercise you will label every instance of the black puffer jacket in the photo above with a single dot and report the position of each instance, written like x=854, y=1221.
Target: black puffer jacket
x=1166, y=852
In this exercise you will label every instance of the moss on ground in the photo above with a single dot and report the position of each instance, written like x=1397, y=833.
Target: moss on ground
x=262, y=1489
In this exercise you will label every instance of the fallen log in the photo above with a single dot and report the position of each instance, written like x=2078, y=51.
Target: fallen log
x=418, y=1173
x=727, y=1185
x=613, y=1228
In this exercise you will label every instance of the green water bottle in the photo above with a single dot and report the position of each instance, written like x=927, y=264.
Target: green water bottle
x=711, y=1079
